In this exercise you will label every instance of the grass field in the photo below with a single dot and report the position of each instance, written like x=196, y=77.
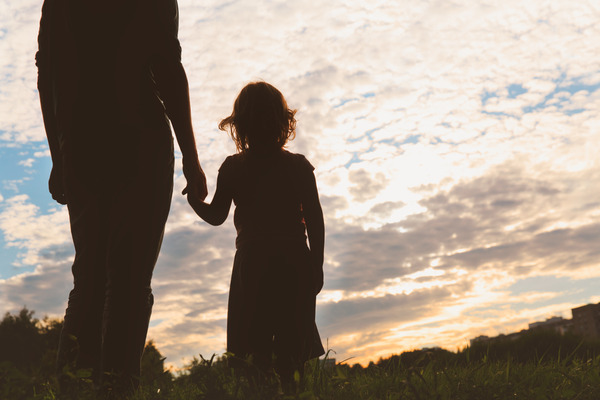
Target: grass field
x=481, y=380
x=431, y=379
x=538, y=365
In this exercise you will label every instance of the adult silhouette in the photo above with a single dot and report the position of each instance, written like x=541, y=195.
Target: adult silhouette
x=110, y=79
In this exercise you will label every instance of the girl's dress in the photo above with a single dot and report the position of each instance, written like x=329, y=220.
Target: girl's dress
x=271, y=299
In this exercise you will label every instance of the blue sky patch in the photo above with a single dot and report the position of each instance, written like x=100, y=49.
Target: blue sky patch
x=568, y=290
x=355, y=159
x=571, y=86
x=486, y=96
x=343, y=102
x=515, y=90
x=412, y=139
x=17, y=179
x=575, y=111
x=577, y=86
x=498, y=114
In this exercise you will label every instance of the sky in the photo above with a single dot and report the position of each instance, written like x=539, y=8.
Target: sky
x=455, y=146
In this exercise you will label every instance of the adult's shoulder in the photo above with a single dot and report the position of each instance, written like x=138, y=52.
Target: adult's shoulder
x=167, y=16
x=169, y=7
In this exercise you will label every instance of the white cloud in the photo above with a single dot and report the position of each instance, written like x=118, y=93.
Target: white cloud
x=34, y=233
x=27, y=163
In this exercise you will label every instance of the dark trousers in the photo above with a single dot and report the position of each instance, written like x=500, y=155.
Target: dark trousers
x=117, y=233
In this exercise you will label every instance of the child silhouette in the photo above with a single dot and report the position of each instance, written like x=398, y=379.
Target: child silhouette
x=276, y=277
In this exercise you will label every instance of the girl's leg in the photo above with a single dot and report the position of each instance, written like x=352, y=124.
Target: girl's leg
x=295, y=315
x=250, y=312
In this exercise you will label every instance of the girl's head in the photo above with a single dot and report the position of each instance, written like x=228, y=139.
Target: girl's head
x=261, y=119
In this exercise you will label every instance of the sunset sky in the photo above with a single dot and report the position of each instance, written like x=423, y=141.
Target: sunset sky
x=456, y=147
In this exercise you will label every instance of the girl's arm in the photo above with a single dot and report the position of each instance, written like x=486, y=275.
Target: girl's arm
x=315, y=227
x=217, y=211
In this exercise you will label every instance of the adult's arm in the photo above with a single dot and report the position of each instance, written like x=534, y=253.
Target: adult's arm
x=172, y=84
x=173, y=87
x=45, y=89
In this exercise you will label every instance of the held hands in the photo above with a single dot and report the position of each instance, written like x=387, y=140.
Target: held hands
x=56, y=185
x=196, y=180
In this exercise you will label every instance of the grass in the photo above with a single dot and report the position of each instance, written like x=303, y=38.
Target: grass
x=537, y=365
x=542, y=379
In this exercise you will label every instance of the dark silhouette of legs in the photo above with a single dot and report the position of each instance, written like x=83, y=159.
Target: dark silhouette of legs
x=117, y=232
x=271, y=308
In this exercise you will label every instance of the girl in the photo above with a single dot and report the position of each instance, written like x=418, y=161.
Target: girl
x=276, y=277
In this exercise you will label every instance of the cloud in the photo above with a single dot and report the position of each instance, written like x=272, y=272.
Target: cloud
x=36, y=234
x=364, y=186
x=386, y=208
x=14, y=184
x=44, y=290
x=353, y=315
x=27, y=163
x=20, y=119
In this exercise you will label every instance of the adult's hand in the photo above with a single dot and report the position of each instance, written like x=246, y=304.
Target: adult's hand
x=317, y=271
x=196, y=181
x=56, y=185
x=318, y=281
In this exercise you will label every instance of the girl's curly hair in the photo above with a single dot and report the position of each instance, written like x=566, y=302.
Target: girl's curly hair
x=260, y=119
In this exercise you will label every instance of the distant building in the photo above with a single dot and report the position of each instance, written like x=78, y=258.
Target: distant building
x=479, y=339
x=586, y=320
x=556, y=324
x=500, y=337
x=515, y=335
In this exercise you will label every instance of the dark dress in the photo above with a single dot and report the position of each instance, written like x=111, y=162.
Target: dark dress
x=271, y=299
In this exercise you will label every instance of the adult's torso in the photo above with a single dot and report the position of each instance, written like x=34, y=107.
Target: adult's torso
x=109, y=113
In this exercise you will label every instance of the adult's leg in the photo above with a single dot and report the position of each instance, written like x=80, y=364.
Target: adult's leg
x=81, y=336
x=137, y=220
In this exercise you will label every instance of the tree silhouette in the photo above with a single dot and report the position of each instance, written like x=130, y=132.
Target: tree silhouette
x=153, y=368
x=27, y=353
x=28, y=349
x=26, y=341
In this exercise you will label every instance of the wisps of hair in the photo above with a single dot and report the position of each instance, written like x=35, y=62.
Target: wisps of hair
x=260, y=118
